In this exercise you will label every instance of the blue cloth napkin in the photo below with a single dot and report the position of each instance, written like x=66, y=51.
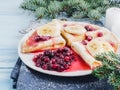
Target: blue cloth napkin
x=32, y=80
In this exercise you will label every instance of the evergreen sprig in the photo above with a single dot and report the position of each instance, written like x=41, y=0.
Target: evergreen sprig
x=110, y=68
x=92, y=9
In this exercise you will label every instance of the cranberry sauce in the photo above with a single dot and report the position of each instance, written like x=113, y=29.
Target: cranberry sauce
x=35, y=38
x=56, y=60
x=62, y=59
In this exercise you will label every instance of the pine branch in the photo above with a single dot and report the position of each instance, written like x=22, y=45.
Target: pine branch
x=110, y=60
x=94, y=14
x=114, y=79
x=40, y=12
x=102, y=72
x=29, y=6
x=110, y=68
x=54, y=6
x=92, y=9
x=79, y=14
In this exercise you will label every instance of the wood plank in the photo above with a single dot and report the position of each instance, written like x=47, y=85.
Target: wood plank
x=12, y=19
x=10, y=6
x=10, y=26
x=8, y=58
x=5, y=81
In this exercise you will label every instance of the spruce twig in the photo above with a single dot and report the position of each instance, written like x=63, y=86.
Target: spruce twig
x=110, y=68
x=92, y=9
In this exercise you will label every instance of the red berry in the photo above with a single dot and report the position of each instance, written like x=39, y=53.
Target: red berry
x=37, y=38
x=65, y=49
x=46, y=59
x=67, y=58
x=41, y=38
x=44, y=67
x=61, y=69
x=89, y=28
x=54, y=66
x=84, y=42
x=56, y=60
x=53, y=61
x=100, y=34
x=35, y=58
x=66, y=66
x=37, y=65
x=44, y=38
x=89, y=38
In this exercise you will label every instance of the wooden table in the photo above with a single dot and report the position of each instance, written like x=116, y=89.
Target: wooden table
x=12, y=19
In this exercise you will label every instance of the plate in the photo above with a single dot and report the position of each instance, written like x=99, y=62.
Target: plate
x=27, y=60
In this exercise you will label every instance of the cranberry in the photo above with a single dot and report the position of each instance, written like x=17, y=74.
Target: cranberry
x=35, y=59
x=37, y=65
x=47, y=52
x=37, y=38
x=58, y=54
x=99, y=34
x=67, y=58
x=41, y=38
x=66, y=49
x=61, y=56
x=51, y=55
x=49, y=66
x=53, y=61
x=54, y=66
x=44, y=67
x=89, y=28
x=59, y=50
x=46, y=59
x=84, y=42
x=89, y=38
x=61, y=69
x=68, y=53
x=44, y=38
x=61, y=59
x=66, y=66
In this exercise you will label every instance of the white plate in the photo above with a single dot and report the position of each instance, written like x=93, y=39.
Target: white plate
x=27, y=59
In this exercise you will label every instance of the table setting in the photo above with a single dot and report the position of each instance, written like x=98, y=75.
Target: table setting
x=84, y=68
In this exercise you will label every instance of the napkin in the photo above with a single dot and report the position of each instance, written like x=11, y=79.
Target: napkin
x=32, y=80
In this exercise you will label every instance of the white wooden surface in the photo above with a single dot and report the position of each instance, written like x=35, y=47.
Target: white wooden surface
x=12, y=19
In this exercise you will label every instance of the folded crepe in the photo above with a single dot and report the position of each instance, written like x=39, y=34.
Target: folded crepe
x=51, y=30
x=55, y=42
x=72, y=38
x=73, y=33
x=80, y=49
x=113, y=40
